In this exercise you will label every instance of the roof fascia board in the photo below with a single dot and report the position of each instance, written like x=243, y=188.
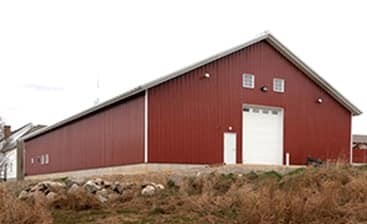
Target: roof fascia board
x=204, y=62
x=312, y=75
x=83, y=113
x=145, y=87
x=264, y=36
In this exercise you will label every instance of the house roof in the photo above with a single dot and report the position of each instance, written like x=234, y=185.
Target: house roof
x=269, y=38
x=11, y=141
x=360, y=139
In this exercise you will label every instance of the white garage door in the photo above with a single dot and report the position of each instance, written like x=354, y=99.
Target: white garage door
x=262, y=135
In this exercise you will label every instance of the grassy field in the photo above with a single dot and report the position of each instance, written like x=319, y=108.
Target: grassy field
x=332, y=194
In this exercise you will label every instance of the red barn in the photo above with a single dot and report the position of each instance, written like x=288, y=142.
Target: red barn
x=255, y=104
x=359, y=149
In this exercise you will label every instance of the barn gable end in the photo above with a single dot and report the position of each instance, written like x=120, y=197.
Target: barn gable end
x=187, y=116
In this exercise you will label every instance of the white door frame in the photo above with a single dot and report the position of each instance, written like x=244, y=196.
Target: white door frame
x=225, y=159
x=281, y=126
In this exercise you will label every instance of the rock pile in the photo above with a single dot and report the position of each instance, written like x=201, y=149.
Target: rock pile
x=150, y=189
x=103, y=190
x=48, y=189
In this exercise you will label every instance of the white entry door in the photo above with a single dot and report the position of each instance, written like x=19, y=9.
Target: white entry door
x=230, y=148
x=262, y=135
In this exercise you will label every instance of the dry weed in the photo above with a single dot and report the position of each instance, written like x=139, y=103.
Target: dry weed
x=78, y=200
x=14, y=211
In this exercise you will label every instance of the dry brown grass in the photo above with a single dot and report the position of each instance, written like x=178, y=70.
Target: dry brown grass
x=330, y=194
x=14, y=211
x=78, y=200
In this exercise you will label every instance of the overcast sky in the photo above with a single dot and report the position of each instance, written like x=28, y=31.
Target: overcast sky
x=53, y=52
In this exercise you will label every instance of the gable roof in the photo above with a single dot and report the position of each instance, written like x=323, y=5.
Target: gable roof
x=360, y=139
x=11, y=141
x=269, y=38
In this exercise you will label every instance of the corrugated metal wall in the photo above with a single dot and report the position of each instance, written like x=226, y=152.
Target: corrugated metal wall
x=111, y=137
x=359, y=155
x=188, y=115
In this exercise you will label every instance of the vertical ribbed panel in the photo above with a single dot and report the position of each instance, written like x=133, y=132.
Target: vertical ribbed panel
x=188, y=115
x=114, y=136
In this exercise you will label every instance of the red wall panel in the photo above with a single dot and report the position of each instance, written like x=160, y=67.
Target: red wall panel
x=188, y=115
x=111, y=137
x=359, y=155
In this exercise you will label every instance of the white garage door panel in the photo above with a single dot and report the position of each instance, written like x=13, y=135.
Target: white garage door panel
x=262, y=136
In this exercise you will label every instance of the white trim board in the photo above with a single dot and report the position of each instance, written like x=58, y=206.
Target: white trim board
x=146, y=126
x=266, y=36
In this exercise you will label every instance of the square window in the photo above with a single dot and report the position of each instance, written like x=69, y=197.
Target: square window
x=42, y=159
x=279, y=85
x=248, y=81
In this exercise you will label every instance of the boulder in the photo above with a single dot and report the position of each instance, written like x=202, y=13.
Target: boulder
x=117, y=187
x=102, y=195
x=51, y=196
x=73, y=189
x=39, y=187
x=53, y=186
x=148, y=190
x=92, y=187
x=24, y=195
x=107, y=184
x=158, y=186
x=38, y=196
x=98, y=181
x=76, y=180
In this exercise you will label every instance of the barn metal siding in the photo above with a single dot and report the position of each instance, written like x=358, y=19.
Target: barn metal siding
x=114, y=136
x=359, y=155
x=189, y=114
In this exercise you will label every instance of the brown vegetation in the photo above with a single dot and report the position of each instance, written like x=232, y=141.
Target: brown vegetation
x=14, y=211
x=332, y=194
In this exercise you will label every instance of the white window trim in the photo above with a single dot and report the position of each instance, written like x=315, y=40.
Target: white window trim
x=46, y=159
x=283, y=85
x=244, y=75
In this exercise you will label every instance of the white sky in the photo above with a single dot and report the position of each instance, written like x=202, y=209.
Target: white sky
x=51, y=52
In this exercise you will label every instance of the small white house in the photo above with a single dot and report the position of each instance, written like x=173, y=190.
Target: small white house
x=11, y=156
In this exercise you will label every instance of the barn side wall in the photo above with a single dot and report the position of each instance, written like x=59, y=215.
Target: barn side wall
x=359, y=155
x=189, y=114
x=112, y=137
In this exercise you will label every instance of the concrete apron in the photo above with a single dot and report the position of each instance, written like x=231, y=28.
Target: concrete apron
x=190, y=169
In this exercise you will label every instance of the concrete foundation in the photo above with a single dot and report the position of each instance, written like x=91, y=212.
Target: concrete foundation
x=188, y=169
x=117, y=170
